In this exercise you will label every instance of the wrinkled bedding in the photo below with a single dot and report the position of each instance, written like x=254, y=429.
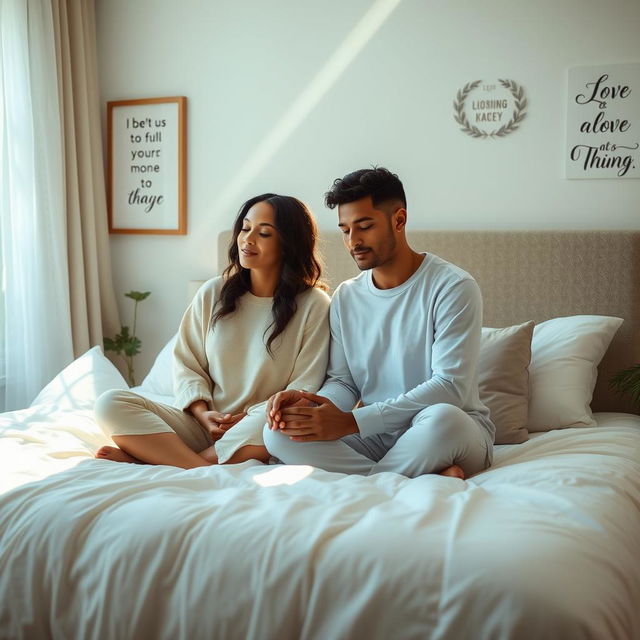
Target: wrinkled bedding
x=545, y=544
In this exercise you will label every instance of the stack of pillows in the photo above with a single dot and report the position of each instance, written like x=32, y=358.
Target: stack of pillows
x=538, y=377
x=533, y=377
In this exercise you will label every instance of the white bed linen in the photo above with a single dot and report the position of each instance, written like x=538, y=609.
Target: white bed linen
x=545, y=544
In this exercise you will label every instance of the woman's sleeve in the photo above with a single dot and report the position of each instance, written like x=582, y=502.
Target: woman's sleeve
x=310, y=366
x=191, y=379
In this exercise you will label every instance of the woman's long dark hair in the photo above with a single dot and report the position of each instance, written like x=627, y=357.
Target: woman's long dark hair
x=301, y=267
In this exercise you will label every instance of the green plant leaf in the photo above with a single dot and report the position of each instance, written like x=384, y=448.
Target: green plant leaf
x=628, y=382
x=132, y=347
x=138, y=295
x=125, y=343
x=110, y=345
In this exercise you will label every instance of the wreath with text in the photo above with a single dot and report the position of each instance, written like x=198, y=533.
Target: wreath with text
x=516, y=118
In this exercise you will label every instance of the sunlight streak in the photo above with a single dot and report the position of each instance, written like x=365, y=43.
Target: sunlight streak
x=291, y=119
x=286, y=474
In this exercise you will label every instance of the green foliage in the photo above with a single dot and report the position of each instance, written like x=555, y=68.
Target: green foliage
x=628, y=382
x=126, y=344
x=138, y=295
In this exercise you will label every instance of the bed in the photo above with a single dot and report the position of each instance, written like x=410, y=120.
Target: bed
x=544, y=544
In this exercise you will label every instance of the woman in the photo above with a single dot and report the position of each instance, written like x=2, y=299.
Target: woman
x=259, y=328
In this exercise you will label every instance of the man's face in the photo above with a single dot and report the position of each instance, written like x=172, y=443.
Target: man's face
x=367, y=233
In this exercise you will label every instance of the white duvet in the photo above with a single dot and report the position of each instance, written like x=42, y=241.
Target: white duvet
x=545, y=544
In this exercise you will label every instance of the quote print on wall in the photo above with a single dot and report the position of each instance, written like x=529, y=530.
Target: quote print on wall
x=147, y=166
x=603, y=122
x=490, y=109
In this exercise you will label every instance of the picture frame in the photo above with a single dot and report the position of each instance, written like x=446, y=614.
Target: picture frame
x=603, y=111
x=147, y=166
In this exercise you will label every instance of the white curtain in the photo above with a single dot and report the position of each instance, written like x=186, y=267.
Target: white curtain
x=38, y=340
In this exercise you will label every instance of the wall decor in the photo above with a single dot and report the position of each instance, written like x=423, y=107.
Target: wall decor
x=603, y=121
x=490, y=109
x=146, y=178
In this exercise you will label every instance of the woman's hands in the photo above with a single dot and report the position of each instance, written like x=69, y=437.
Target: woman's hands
x=279, y=401
x=214, y=422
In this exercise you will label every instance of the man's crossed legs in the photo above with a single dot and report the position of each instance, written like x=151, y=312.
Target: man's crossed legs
x=439, y=437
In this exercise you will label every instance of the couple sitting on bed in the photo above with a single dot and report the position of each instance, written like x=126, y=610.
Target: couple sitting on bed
x=382, y=379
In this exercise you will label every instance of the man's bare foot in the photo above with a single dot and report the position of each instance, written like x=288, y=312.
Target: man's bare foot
x=454, y=471
x=115, y=454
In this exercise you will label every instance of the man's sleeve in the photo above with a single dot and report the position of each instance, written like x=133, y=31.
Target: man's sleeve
x=454, y=359
x=338, y=386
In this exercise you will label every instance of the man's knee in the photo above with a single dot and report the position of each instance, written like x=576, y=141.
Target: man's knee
x=451, y=431
x=278, y=445
x=442, y=421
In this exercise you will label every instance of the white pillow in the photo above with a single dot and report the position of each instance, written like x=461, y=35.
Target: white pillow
x=565, y=353
x=159, y=380
x=79, y=384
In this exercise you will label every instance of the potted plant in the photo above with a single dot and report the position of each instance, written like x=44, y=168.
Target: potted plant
x=125, y=344
x=628, y=382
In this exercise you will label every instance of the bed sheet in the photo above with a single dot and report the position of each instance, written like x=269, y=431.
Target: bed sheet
x=543, y=544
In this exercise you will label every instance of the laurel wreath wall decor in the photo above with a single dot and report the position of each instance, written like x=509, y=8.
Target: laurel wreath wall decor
x=520, y=104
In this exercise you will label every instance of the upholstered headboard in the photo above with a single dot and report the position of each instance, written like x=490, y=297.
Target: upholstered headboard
x=534, y=275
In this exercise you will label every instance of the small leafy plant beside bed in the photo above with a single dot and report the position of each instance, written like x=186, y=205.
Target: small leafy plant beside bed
x=628, y=382
x=126, y=344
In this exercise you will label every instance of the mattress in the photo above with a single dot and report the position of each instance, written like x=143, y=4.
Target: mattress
x=543, y=544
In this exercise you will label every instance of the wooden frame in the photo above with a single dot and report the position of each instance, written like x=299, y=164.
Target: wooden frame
x=147, y=166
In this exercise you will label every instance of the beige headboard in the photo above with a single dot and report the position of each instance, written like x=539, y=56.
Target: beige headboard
x=534, y=275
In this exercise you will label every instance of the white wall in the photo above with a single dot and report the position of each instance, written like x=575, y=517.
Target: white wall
x=253, y=68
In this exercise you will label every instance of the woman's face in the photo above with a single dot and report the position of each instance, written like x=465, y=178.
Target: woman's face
x=258, y=241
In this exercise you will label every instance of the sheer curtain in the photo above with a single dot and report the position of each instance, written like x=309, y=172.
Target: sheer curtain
x=50, y=229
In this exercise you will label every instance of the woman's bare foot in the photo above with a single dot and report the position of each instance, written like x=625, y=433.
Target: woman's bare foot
x=454, y=471
x=115, y=454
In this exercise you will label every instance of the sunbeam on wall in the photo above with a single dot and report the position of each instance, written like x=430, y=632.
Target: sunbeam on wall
x=320, y=84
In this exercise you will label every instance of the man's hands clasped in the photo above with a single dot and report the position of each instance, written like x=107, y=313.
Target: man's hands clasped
x=307, y=417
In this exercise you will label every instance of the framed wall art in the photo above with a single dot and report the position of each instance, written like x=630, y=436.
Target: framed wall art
x=603, y=122
x=146, y=176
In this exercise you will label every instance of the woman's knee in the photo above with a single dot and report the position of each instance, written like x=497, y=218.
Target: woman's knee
x=109, y=405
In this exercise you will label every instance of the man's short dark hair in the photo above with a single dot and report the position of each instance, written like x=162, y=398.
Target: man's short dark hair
x=377, y=182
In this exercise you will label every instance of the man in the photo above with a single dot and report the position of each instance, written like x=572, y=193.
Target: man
x=405, y=341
